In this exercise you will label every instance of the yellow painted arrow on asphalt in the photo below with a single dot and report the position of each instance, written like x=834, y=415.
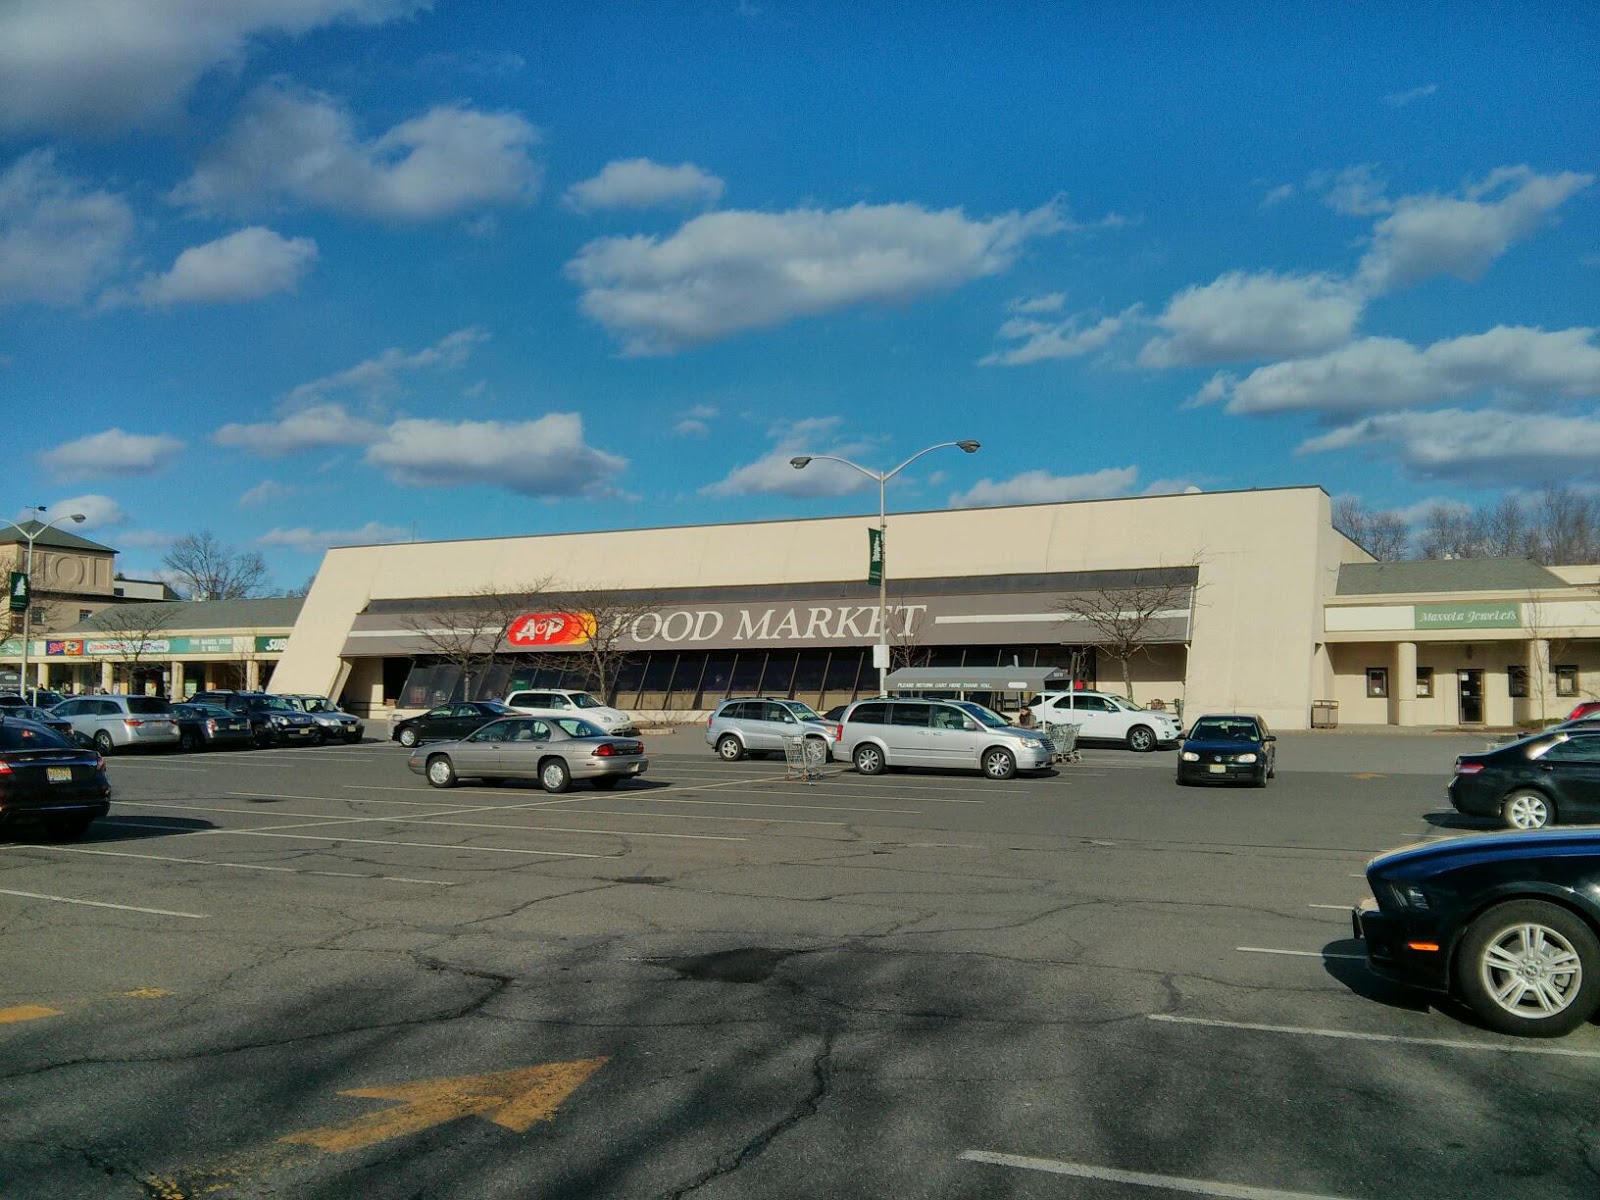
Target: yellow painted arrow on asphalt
x=511, y=1099
x=1366, y=775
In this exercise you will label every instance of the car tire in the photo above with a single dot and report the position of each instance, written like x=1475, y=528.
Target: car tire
x=103, y=742
x=999, y=763
x=407, y=737
x=869, y=759
x=189, y=740
x=729, y=748
x=1530, y=968
x=319, y=738
x=1141, y=738
x=1527, y=809
x=554, y=775
x=441, y=771
x=604, y=783
x=67, y=829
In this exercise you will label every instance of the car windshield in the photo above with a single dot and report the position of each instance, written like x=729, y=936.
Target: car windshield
x=584, y=700
x=1224, y=730
x=1124, y=704
x=804, y=711
x=984, y=716
x=274, y=704
x=30, y=737
x=314, y=705
x=579, y=728
x=493, y=706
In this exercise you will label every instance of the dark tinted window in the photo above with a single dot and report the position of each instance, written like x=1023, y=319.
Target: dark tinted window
x=21, y=737
x=149, y=706
x=909, y=714
x=1577, y=749
x=870, y=714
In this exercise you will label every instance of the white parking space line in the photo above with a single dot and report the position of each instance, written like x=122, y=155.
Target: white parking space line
x=122, y=762
x=1544, y=1048
x=207, y=862
x=159, y=912
x=908, y=812
x=1299, y=953
x=674, y=816
x=1169, y=1183
x=1344, y=908
x=308, y=837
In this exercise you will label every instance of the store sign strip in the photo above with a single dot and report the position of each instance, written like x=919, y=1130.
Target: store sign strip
x=1467, y=616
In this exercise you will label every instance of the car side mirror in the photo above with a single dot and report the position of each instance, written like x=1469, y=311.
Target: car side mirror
x=970, y=725
x=1271, y=737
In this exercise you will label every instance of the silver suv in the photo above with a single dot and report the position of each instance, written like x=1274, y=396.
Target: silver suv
x=757, y=725
x=877, y=734
x=121, y=722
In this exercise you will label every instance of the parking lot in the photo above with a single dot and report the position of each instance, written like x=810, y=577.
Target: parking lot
x=306, y=973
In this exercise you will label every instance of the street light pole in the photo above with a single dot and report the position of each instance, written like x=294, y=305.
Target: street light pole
x=799, y=463
x=27, y=570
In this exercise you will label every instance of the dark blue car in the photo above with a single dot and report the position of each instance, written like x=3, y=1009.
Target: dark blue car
x=1228, y=748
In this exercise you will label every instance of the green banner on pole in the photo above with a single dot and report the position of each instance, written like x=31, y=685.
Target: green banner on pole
x=19, y=592
x=874, y=556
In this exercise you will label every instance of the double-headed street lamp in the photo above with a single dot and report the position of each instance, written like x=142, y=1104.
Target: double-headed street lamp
x=880, y=652
x=27, y=571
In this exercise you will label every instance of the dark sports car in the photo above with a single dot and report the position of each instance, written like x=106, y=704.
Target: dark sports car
x=1507, y=922
x=1228, y=748
x=46, y=779
x=448, y=721
x=1550, y=777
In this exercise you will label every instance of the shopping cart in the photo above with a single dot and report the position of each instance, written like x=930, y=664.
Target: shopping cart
x=1063, y=742
x=804, y=758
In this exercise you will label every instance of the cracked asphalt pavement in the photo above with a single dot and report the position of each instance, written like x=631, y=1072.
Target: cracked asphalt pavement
x=828, y=989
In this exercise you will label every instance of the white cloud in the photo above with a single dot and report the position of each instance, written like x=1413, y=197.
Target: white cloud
x=1043, y=340
x=544, y=457
x=298, y=148
x=268, y=491
x=1380, y=373
x=381, y=375
x=695, y=422
x=772, y=474
x=99, y=512
x=1477, y=448
x=640, y=183
x=315, y=541
x=245, y=265
x=313, y=428
x=1240, y=316
x=1356, y=191
x=1429, y=235
x=1050, y=302
x=1039, y=487
x=724, y=272
x=1277, y=195
x=58, y=239
x=100, y=65
x=114, y=452
x=1401, y=99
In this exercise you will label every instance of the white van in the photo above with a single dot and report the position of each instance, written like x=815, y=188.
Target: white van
x=559, y=702
x=1103, y=717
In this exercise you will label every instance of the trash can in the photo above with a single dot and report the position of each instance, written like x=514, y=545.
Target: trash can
x=1324, y=714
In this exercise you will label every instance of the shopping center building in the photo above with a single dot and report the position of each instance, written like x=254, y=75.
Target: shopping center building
x=1265, y=607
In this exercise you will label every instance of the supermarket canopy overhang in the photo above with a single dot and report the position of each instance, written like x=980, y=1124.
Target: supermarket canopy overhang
x=978, y=679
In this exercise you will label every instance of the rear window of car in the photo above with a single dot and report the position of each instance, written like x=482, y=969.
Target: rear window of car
x=915, y=715
x=21, y=737
x=733, y=711
x=870, y=714
x=149, y=706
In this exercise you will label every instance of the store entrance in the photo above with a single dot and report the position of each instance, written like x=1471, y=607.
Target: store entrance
x=1471, y=693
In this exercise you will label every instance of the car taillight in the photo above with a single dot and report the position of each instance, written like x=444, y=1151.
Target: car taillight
x=5, y=768
x=132, y=722
x=1468, y=768
x=605, y=750
x=838, y=732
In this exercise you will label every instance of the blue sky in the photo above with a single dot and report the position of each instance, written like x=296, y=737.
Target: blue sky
x=313, y=272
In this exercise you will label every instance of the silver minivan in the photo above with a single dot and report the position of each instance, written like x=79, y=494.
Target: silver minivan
x=119, y=722
x=757, y=725
x=876, y=734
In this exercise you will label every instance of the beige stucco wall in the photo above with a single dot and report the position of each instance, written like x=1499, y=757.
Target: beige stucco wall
x=1267, y=558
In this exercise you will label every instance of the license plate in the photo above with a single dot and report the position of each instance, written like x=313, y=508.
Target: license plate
x=1217, y=768
x=58, y=774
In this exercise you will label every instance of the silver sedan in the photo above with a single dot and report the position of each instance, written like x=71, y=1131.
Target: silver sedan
x=552, y=750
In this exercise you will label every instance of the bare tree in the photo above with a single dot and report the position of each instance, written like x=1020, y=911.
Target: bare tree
x=1126, y=616
x=1384, y=535
x=608, y=617
x=469, y=631
x=205, y=569
x=133, y=634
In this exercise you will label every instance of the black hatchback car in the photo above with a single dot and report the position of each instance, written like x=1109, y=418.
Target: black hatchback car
x=1228, y=748
x=449, y=722
x=273, y=720
x=1541, y=780
x=48, y=780
x=1508, y=922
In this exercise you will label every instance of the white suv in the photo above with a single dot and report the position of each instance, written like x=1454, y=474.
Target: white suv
x=558, y=702
x=1103, y=717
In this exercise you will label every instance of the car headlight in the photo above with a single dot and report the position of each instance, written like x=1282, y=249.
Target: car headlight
x=1189, y=756
x=1245, y=758
x=1408, y=895
x=280, y=720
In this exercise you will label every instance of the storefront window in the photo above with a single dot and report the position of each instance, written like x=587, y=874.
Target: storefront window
x=1566, y=681
x=1517, y=680
x=658, y=671
x=714, y=683
x=746, y=678
x=779, y=675
x=839, y=682
x=1424, y=683
x=808, y=675
x=1377, y=682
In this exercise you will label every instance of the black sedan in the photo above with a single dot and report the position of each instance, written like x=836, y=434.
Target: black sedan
x=1228, y=748
x=211, y=727
x=448, y=722
x=1508, y=922
x=48, y=719
x=1541, y=780
x=46, y=779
